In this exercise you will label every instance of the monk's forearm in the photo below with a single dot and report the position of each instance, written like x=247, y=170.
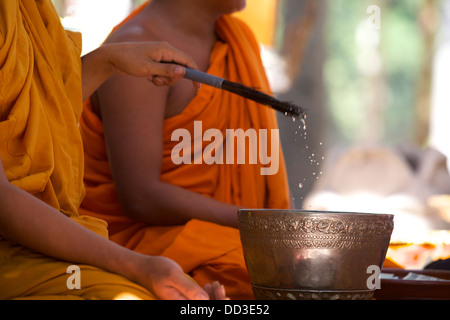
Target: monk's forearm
x=96, y=69
x=167, y=204
x=30, y=222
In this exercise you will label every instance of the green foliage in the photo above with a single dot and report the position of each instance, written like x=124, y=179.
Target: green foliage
x=400, y=49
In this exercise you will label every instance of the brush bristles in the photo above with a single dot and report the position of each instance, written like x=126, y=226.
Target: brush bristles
x=287, y=108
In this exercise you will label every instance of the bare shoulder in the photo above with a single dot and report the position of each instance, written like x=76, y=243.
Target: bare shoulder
x=135, y=30
x=120, y=89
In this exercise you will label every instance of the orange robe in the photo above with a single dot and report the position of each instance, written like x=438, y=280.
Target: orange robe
x=41, y=147
x=206, y=251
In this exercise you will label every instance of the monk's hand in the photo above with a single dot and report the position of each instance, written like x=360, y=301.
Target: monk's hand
x=161, y=63
x=166, y=279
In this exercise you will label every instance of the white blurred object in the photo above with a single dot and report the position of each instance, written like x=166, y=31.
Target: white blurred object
x=95, y=19
x=440, y=113
x=377, y=179
x=275, y=67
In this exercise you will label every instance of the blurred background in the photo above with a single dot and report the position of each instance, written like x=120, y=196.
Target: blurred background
x=374, y=77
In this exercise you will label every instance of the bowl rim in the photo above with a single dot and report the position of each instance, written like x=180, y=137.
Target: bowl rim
x=313, y=212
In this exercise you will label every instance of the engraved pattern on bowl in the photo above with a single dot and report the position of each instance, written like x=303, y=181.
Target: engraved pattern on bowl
x=263, y=293
x=313, y=250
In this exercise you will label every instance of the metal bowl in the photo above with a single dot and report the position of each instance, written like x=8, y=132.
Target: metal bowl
x=298, y=254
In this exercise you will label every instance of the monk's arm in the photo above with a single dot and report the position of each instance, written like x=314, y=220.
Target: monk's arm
x=30, y=222
x=133, y=114
x=138, y=59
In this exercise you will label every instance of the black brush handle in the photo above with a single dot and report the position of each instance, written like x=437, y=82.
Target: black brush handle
x=204, y=78
x=243, y=91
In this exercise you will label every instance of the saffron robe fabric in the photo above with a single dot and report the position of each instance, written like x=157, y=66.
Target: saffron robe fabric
x=206, y=251
x=41, y=147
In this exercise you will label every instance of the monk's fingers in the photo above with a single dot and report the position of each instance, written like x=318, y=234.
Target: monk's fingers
x=165, y=74
x=169, y=54
x=172, y=72
x=190, y=289
x=169, y=75
x=218, y=291
x=170, y=282
x=182, y=288
x=173, y=58
x=160, y=81
x=208, y=290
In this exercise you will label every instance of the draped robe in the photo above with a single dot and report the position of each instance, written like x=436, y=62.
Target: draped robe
x=41, y=148
x=205, y=250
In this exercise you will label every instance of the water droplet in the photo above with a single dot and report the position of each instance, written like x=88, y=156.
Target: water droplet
x=304, y=123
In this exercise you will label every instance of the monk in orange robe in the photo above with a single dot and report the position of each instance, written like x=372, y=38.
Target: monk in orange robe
x=184, y=210
x=42, y=234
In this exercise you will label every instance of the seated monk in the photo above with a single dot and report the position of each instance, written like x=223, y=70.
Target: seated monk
x=42, y=233
x=187, y=210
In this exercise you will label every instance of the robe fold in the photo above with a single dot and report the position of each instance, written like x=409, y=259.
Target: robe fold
x=41, y=147
x=205, y=250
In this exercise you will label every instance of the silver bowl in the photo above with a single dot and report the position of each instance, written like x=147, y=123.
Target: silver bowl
x=298, y=254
